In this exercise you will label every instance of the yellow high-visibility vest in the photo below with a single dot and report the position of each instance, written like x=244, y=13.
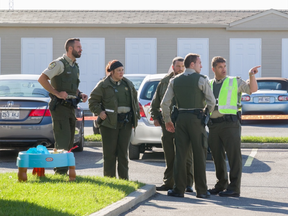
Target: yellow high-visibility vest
x=227, y=98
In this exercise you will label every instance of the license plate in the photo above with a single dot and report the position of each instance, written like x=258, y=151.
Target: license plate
x=10, y=114
x=264, y=99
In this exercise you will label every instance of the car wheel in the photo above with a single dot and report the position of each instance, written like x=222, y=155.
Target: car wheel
x=134, y=152
x=81, y=141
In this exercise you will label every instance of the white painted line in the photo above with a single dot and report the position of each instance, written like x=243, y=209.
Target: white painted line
x=251, y=157
x=99, y=162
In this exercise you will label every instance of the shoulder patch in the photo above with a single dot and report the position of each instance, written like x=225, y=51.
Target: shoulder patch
x=51, y=65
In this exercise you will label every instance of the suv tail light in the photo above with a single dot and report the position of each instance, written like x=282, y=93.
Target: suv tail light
x=245, y=98
x=39, y=113
x=142, y=113
x=283, y=98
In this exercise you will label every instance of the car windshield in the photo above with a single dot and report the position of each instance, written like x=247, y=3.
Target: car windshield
x=22, y=88
x=137, y=80
x=271, y=85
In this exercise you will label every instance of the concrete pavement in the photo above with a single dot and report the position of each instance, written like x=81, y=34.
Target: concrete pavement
x=147, y=191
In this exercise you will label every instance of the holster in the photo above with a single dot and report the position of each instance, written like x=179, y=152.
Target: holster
x=239, y=114
x=53, y=102
x=174, y=114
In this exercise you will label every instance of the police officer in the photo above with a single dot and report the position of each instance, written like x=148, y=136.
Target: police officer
x=191, y=90
x=64, y=75
x=114, y=100
x=225, y=128
x=167, y=137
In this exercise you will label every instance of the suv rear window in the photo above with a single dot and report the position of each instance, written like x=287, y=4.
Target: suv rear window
x=148, y=90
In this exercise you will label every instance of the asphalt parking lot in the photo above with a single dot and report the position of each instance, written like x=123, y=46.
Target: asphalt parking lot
x=263, y=192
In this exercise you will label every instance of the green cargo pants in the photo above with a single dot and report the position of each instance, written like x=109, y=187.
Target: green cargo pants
x=115, y=147
x=63, y=123
x=190, y=134
x=168, y=146
x=226, y=136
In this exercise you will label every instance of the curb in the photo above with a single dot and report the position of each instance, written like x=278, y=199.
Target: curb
x=128, y=202
x=243, y=145
x=265, y=145
x=92, y=144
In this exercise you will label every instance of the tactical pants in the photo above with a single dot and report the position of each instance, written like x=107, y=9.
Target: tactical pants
x=190, y=134
x=168, y=146
x=226, y=136
x=63, y=123
x=115, y=147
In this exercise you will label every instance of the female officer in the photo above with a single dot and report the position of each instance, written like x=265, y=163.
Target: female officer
x=114, y=100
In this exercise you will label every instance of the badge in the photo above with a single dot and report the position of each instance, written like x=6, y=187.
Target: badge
x=126, y=88
x=51, y=65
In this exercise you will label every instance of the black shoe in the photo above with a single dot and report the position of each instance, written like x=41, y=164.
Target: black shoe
x=214, y=191
x=163, y=188
x=207, y=195
x=229, y=193
x=173, y=193
x=189, y=189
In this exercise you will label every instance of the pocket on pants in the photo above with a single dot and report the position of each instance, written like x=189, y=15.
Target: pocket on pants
x=204, y=139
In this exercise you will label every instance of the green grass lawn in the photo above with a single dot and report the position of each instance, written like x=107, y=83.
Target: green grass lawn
x=54, y=195
x=244, y=139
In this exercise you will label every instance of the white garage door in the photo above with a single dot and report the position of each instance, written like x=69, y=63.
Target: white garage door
x=195, y=45
x=285, y=57
x=245, y=53
x=91, y=64
x=36, y=54
x=140, y=55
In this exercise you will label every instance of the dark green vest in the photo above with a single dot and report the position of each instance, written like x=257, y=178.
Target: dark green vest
x=123, y=94
x=68, y=80
x=187, y=93
x=216, y=91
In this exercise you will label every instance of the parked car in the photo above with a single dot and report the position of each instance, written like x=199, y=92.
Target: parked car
x=270, y=99
x=25, y=120
x=146, y=135
x=136, y=79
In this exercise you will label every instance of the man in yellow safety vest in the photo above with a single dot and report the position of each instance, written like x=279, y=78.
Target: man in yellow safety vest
x=225, y=128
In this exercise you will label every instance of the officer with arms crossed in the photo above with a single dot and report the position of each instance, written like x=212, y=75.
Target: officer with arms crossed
x=225, y=128
x=190, y=90
x=114, y=100
x=64, y=75
x=167, y=137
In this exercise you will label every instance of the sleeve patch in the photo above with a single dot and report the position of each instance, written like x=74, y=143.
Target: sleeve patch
x=51, y=65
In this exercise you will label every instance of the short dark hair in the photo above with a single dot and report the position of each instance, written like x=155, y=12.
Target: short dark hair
x=189, y=58
x=70, y=42
x=177, y=59
x=216, y=60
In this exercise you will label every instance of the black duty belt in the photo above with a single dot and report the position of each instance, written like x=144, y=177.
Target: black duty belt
x=196, y=111
x=228, y=118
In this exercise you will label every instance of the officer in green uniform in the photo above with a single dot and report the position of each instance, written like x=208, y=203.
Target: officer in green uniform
x=64, y=75
x=191, y=90
x=225, y=128
x=167, y=137
x=114, y=100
